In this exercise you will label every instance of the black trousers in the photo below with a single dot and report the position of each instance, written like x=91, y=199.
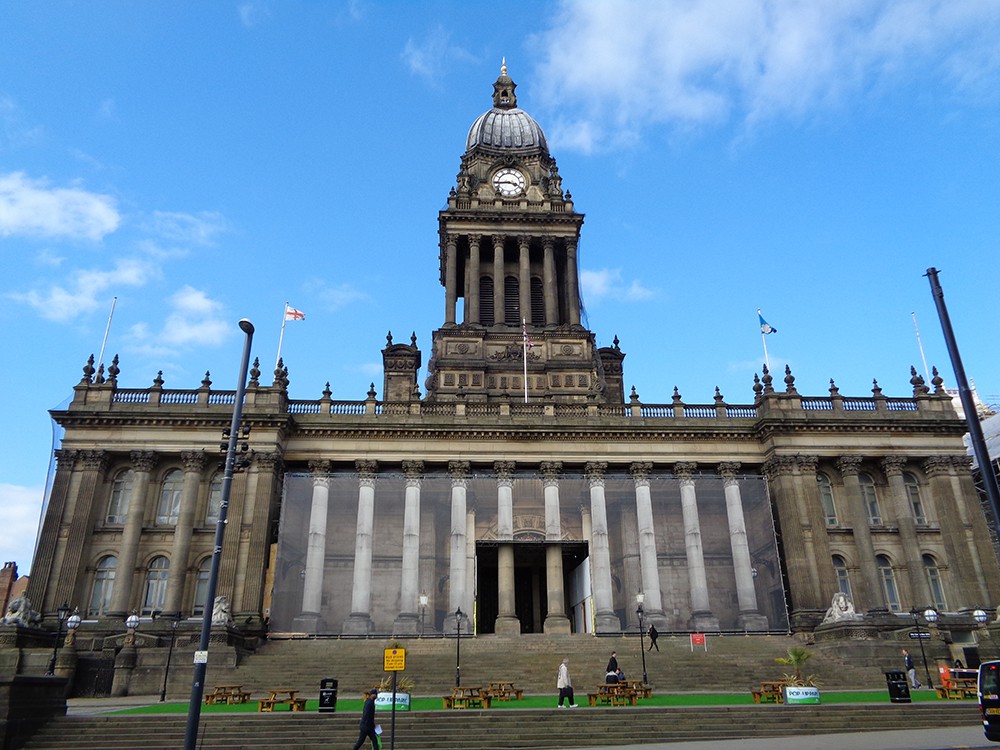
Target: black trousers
x=370, y=734
x=567, y=693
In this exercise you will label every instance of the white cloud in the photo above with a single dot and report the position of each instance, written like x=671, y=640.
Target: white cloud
x=86, y=289
x=430, y=56
x=338, y=297
x=34, y=208
x=601, y=283
x=697, y=61
x=107, y=110
x=194, y=319
x=14, y=132
x=253, y=13
x=20, y=509
x=194, y=229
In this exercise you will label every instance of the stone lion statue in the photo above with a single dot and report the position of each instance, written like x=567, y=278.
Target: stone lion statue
x=841, y=609
x=19, y=612
x=222, y=612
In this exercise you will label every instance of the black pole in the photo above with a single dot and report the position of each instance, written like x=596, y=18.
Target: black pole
x=642, y=646
x=965, y=394
x=923, y=655
x=458, y=647
x=61, y=614
x=201, y=656
x=392, y=742
x=170, y=653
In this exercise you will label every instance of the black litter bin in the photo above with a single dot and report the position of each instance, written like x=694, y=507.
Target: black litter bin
x=899, y=687
x=328, y=695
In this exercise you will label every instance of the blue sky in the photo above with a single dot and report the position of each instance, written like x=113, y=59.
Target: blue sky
x=206, y=161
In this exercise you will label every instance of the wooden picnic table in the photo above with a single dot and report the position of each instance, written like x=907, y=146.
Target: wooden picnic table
x=770, y=692
x=505, y=691
x=643, y=690
x=467, y=697
x=230, y=694
x=613, y=694
x=276, y=698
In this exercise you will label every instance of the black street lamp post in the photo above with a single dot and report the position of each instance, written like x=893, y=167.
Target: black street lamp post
x=458, y=647
x=639, y=599
x=201, y=655
x=62, y=612
x=931, y=616
x=170, y=653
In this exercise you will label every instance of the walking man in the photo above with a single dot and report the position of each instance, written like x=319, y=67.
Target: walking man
x=367, y=723
x=652, y=637
x=910, y=669
x=564, y=684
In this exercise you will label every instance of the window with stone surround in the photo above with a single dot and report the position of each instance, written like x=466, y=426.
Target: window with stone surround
x=170, y=499
x=827, y=500
x=104, y=584
x=887, y=576
x=869, y=496
x=121, y=496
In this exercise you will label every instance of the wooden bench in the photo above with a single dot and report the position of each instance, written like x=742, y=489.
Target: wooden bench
x=769, y=692
x=230, y=694
x=505, y=691
x=958, y=689
x=467, y=697
x=642, y=690
x=267, y=705
x=613, y=694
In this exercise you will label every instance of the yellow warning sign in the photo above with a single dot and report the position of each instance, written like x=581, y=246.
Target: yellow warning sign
x=394, y=659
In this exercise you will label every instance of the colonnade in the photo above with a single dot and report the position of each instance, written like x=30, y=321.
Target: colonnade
x=594, y=524
x=497, y=270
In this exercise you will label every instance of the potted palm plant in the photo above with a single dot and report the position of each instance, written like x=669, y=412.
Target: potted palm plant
x=798, y=689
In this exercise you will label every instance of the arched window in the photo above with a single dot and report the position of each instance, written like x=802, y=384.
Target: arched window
x=913, y=495
x=843, y=579
x=870, y=499
x=826, y=500
x=888, y=578
x=201, y=586
x=511, y=301
x=121, y=496
x=934, y=583
x=487, y=315
x=170, y=498
x=104, y=585
x=156, y=585
x=214, y=500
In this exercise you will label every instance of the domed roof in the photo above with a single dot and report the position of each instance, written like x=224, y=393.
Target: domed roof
x=506, y=127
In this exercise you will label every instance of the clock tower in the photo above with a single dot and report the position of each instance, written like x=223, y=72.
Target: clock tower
x=508, y=252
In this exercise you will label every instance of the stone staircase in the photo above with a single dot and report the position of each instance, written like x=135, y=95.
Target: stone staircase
x=497, y=729
x=731, y=664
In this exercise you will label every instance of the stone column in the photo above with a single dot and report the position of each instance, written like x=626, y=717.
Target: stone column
x=450, y=278
x=572, y=283
x=459, y=471
x=360, y=620
x=121, y=597
x=470, y=564
x=967, y=583
x=867, y=588
x=550, y=282
x=474, y=272
x=506, y=622
x=556, y=620
x=524, y=276
x=498, y=285
x=79, y=475
x=265, y=468
x=312, y=587
x=920, y=591
x=746, y=594
x=194, y=464
x=649, y=568
x=701, y=613
x=408, y=620
x=604, y=614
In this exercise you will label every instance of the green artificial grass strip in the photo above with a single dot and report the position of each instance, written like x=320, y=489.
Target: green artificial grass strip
x=430, y=703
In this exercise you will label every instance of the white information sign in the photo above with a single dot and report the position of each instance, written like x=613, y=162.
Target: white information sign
x=201, y=657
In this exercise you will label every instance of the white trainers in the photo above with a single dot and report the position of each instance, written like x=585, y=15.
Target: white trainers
x=560, y=705
x=573, y=705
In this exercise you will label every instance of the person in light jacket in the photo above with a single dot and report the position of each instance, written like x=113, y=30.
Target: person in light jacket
x=564, y=684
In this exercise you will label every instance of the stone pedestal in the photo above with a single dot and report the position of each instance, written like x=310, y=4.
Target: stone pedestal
x=406, y=624
x=753, y=621
x=704, y=622
x=124, y=664
x=506, y=625
x=307, y=622
x=607, y=622
x=358, y=624
x=557, y=624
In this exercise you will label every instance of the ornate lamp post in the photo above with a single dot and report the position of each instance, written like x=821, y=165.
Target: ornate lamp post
x=930, y=615
x=170, y=652
x=639, y=599
x=458, y=647
x=980, y=617
x=131, y=625
x=74, y=622
x=63, y=611
x=423, y=610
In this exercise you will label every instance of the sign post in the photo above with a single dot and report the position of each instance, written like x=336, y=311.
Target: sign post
x=393, y=660
x=698, y=639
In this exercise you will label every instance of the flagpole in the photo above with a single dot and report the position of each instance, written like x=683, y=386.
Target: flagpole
x=281, y=336
x=920, y=344
x=107, y=330
x=763, y=340
x=524, y=346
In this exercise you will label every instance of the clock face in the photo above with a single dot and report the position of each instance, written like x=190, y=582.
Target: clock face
x=509, y=182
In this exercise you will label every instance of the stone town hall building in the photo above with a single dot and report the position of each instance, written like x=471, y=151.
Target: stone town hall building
x=525, y=486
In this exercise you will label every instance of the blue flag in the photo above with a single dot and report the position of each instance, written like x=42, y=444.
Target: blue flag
x=764, y=326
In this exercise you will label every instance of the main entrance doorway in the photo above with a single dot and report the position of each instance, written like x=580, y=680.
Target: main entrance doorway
x=530, y=582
